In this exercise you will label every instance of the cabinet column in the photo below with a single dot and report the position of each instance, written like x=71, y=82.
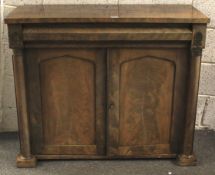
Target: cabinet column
x=187, y=156
x=24, y=159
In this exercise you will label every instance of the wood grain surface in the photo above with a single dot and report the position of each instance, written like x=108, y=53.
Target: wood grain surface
x=66, y=91
x=146, y=98
x=106, y=81
x=106, y=13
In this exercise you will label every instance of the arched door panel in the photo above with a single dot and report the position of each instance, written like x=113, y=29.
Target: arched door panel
x=67, y=105
x=145, y=97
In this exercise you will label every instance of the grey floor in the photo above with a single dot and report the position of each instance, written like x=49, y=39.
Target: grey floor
x=204, y=148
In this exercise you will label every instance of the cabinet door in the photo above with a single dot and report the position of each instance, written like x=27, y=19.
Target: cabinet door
x=66, y=90
x=146, y=101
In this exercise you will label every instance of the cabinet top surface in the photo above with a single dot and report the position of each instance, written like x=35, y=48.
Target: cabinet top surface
x=106, y=13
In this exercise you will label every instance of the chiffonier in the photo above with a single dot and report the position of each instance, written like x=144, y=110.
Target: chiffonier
x=106, y=81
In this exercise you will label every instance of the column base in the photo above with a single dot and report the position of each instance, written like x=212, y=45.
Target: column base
x=22, y=162
x=186, y=160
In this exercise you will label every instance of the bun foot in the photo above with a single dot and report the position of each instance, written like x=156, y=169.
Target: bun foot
x=22, y=162
x=186, y=160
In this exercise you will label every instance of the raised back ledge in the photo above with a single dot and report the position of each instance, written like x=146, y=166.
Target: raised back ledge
x=106, y=14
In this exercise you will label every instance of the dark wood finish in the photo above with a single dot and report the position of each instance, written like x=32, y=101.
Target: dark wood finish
x=187, y=160
x=25, y=159
x=23, y=162
x=144, y=82
x=80, y=33
x=66, y=90
x=187, y=156
x=16, y=37
x=106, y=157
x=146, y=99
x=105, y=81
x=106, y=13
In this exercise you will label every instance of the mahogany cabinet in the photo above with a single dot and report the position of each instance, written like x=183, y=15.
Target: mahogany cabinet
x=106, y=81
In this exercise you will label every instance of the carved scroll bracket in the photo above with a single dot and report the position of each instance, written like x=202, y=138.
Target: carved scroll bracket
x=198, y=42
x=15, y=36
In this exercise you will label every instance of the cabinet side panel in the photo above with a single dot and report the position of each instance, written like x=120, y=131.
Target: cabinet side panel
x=146, y=93
x=68, y=101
